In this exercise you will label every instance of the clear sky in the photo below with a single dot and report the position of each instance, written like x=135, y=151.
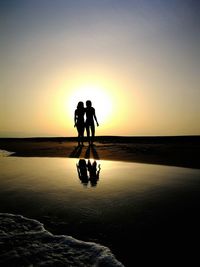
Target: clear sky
x=137, y=60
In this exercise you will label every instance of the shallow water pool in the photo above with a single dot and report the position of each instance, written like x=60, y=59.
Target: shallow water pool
x=114, y=204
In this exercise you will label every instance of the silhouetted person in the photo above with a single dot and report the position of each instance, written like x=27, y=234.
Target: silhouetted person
x=94, y=171
x=79, y=121
x=90, y=117
x=82, y=171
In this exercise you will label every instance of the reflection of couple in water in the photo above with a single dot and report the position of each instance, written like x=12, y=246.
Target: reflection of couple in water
x=81, y=124
x=88, y=172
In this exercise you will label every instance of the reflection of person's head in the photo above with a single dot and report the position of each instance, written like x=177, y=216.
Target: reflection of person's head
x=80, y=105
x=82, y=163
x=92, y=167
x=88, y=103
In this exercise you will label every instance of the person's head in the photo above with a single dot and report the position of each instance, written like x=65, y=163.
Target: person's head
x=82, y=163
x=88, y=103
x=80, y=105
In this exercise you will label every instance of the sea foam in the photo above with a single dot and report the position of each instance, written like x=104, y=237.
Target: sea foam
x=5, y=153
x=25, y=242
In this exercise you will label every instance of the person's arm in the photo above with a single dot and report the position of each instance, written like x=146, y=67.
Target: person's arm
x=79, y=175
x=75, y=118
x=95, y=118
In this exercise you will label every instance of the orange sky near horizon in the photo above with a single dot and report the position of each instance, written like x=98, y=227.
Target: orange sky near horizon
x=138, y=62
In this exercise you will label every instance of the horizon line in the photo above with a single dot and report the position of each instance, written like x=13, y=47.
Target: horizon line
x=98, y=136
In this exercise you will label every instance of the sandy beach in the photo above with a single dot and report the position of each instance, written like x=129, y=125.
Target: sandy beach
x=183, y=151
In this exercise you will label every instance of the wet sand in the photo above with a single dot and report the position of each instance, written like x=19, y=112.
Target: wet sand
x=183, y=151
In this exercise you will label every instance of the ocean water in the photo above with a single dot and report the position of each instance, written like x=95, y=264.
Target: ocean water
x=133, y=209
x=25, y=242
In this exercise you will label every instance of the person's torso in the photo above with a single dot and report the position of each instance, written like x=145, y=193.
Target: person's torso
x=80, y=115
x=89, y=114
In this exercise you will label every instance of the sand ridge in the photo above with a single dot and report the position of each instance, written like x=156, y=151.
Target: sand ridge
x=176, y=151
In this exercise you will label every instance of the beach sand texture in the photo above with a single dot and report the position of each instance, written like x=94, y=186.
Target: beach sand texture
x=181, y=151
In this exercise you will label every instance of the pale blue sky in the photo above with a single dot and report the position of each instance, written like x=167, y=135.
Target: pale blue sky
x=148, y=49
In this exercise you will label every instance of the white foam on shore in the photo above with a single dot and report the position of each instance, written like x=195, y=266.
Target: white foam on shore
x=5, y=153
x=25, y=242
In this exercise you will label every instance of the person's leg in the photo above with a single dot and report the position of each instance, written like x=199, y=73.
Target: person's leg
x=82, y=134
x=79, y=137
x=88, y=133
x=79, y=129
x=92, y=132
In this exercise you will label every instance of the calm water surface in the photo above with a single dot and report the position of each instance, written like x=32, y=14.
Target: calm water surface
x=53, y=185
x=127, y=202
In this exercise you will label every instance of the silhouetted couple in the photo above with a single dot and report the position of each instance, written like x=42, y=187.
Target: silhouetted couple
x=80, y=123
x=88, y=172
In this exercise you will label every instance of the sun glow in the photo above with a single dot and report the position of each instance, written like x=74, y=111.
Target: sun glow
x=106, y=96
x=101, y=101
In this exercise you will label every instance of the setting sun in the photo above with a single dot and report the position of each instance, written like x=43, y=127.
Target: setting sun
x=101, y=101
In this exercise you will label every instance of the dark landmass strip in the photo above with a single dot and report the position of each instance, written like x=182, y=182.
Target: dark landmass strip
x=168, y=150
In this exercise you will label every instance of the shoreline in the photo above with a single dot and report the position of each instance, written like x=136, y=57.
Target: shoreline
x=180, y=151
x=36, y=235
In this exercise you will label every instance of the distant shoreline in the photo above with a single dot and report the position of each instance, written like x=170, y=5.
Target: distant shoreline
x=183, y=151
x=111, y=138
